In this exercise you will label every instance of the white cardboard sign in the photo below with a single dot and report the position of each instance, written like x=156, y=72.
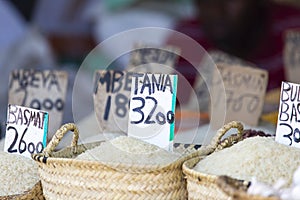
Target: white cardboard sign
x=152, y=108
x=26, y=130
x=111, y=99
x=288, y=124
x=42, y=90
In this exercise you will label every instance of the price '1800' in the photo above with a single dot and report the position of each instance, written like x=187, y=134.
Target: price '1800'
x=151, y=118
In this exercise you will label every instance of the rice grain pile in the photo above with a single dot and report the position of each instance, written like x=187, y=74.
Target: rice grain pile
x=17, y=174
x=259, y=157
x=129, y=150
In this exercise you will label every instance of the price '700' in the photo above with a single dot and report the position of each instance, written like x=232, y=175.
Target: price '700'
x=160, y=117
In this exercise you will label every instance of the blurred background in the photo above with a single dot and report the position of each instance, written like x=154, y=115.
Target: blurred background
x=55, y=34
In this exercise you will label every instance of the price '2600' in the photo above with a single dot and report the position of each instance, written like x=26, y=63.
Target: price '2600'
x=22, y=146
x=160, y=117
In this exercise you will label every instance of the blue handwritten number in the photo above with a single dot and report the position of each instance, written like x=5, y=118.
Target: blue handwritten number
x=148, y=119
x=39, y=150
x=10, y=149
x=296, y=139
x=170, y=117
x=107, y=108
x=236, y=104
x=289, y=136
x=139, y=110
x=161, y=119
x=22, y=142
x=47, y=104
x=121, y=101
x=31, y=147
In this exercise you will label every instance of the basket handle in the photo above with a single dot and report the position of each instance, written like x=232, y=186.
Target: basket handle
x=216, y=141
x=59, y=135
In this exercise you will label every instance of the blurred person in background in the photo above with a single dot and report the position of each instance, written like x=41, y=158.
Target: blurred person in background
x=75, y=27
x=67, y=27
x=21, y=46
x=249, y=29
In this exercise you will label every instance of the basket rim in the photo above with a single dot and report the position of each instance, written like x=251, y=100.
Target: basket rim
x=46, y=158
x=41, y=159
x=190, y=172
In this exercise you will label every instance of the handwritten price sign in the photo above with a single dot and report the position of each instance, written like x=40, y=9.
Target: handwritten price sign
x=288, y=128
x=42, y=90
x=152, y=108
x=245, y=88
x=26, y=130
x=111, y=99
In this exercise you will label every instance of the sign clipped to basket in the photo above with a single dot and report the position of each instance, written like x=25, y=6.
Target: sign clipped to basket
x=288, y=127
x=153, y=59
x=245, y=89
x=152, y=108
x=42, y=90
x=111, y=99
x=26, y=130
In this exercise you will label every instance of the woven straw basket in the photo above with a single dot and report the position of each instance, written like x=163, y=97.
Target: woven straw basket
x=36, y=193
x=202, y=186
x=66, y=178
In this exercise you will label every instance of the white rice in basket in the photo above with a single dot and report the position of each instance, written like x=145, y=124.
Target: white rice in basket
x=129, y=150
x=17, y=174
x=259, y=157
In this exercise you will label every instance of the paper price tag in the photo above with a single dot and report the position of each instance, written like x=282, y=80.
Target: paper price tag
x=245, y=89
x=202, y=95
x=288, y=126
x=111, y=99
x=26, y=130
x=152, y=108
x=42, y=90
